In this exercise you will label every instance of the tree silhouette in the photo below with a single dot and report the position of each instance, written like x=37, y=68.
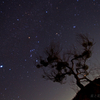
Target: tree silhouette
x=57, y=65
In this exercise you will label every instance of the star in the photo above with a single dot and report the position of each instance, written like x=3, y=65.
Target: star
x=1, y=66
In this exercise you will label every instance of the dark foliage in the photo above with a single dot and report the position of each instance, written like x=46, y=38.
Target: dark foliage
x=58, y=66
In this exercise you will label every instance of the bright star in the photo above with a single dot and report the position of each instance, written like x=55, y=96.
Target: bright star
x=1, y=66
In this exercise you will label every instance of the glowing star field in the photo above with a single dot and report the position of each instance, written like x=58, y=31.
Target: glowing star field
x=27, y=27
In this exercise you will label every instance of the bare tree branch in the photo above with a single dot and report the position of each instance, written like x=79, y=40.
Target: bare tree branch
x=70, y=63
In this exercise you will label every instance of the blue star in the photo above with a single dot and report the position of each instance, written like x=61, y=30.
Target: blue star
x=10, y=69
x=74, y=26
x=1, y=66
x=17, y=19
x=46, y=11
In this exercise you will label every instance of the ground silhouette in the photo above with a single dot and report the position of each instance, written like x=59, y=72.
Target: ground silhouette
x=90, y=91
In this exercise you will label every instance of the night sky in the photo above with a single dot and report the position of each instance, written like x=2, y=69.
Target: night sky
x=26, y=28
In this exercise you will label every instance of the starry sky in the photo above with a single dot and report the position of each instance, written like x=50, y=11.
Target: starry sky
x=26, y=28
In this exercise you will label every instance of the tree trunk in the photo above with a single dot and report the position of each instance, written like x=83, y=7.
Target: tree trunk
x=77, y=80
x=79, y=84
x=76, y=77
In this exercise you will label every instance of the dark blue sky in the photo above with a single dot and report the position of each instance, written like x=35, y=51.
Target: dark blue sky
x=26, y=28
